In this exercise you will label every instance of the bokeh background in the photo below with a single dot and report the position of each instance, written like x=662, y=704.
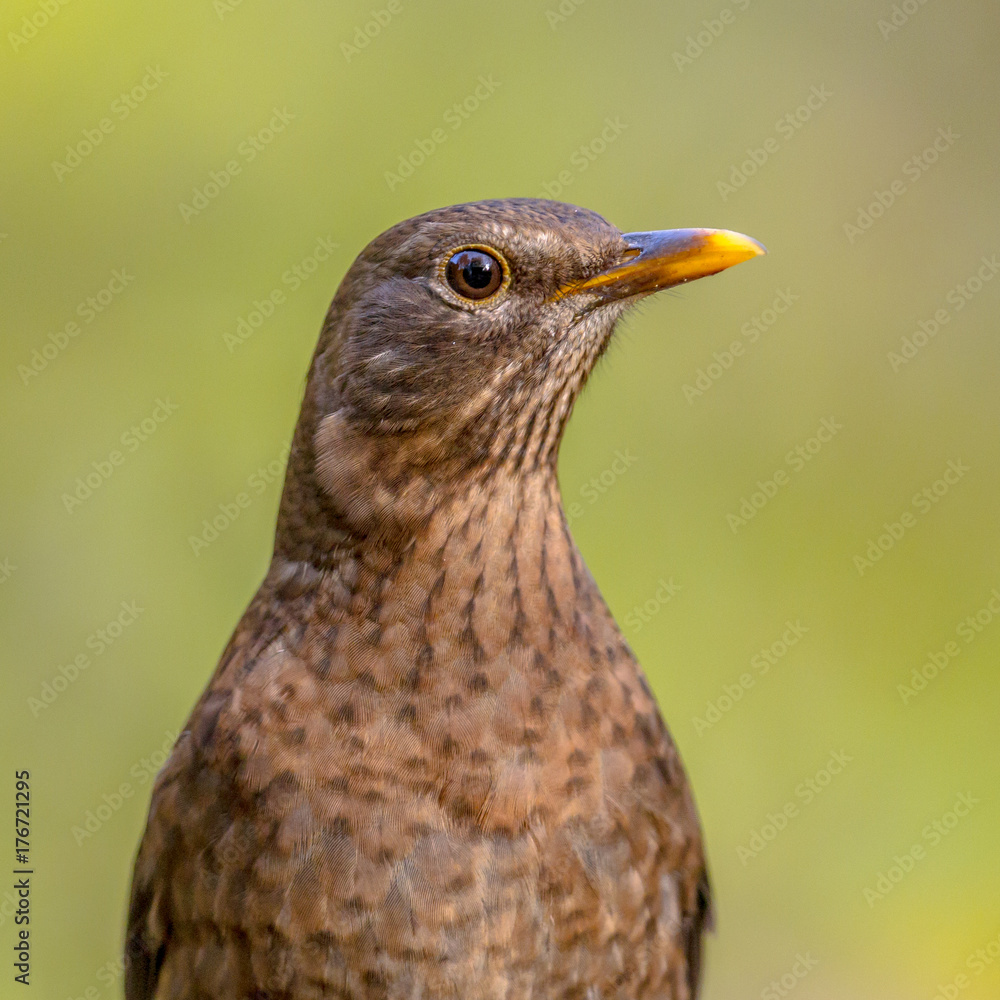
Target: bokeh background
x=859, y=142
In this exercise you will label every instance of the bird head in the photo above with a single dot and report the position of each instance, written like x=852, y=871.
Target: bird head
x=459, y=340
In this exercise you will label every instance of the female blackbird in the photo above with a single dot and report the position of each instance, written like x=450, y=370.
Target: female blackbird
x=428, y=765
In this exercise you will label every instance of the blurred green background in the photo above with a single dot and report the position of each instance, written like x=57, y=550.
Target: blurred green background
x=859, y=142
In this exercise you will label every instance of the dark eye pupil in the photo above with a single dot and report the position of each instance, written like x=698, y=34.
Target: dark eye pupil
x=474, y=274
x=477, y=272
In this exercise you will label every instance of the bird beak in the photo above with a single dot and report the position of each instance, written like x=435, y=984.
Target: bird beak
x=668, y=257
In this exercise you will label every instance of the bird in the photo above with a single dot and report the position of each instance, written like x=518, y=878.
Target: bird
x=428, y=764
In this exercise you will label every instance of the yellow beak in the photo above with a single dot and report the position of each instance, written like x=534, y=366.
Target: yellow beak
x=668, y=257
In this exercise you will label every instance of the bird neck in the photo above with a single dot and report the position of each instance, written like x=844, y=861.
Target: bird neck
x=493, y=562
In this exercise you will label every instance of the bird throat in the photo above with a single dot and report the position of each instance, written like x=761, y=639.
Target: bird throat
x=489, y=572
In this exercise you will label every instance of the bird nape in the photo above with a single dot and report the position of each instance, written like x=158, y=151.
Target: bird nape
x=428, y=764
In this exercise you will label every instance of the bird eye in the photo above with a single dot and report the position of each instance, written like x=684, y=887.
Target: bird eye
x=474, y=274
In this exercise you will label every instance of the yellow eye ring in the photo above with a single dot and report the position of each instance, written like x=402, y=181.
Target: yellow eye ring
x=475, y=272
